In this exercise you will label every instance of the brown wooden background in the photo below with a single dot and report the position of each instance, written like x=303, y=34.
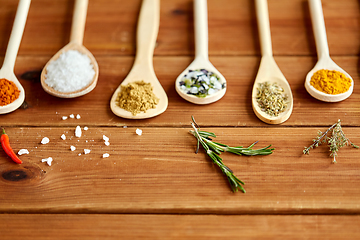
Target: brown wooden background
x=154, y=186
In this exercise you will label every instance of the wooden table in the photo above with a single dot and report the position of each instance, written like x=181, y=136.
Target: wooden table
x=154, y=186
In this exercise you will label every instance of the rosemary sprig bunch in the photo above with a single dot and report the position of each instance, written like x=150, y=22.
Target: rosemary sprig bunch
x=214, y=149
x=336, y=141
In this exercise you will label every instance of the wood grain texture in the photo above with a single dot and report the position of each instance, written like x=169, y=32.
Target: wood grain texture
x=166, y=176
x=154, y=186
x=45, y=226
x=111, y=27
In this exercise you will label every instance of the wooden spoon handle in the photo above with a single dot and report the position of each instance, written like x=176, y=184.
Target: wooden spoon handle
x=318, y=24
x=16, y=34
x=78, y=21
x=201, y=29
x=147, y=31
x=262, y=15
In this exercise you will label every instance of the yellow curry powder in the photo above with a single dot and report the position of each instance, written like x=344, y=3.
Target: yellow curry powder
x=8, y=92
x=137, y=97
x=330, y=81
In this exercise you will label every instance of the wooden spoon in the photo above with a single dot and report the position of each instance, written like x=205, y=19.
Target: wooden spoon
x=7, y=69
x=76, y=43
x=201, y=60
x=268, y=70
x=147, y=30
x=324, y=62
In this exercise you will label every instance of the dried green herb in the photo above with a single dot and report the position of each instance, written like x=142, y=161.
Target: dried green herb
x=271, y=98
x=214, y=149
x=335, y=141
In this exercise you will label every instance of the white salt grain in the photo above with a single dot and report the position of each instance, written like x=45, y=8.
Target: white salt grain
x=107, y=143
x=106, y=139
x=86, y=128
x=64, y=117
x=78, y=116
x=47, y=160
x=23, y=151
x=72, y=148
x=72, y=71
x=105, y=155
x=71, y=116
x=138, y=131
x=45, y=140
x=78, y=131
x=87, y=151
x=63, y=137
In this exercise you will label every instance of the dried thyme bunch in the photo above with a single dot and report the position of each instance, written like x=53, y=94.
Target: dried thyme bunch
x=271, y=98
x=214, y=149
x=336, y=141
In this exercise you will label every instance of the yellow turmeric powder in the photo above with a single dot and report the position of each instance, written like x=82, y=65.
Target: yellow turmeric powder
x=330, y=81
x=8, y=92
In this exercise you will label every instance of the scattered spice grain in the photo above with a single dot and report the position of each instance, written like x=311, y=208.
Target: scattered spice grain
x=330, y=81
x=271, y=98
x=137, y=97
x=8, y=92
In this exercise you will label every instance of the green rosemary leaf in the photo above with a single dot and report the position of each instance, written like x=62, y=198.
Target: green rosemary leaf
x=214, y=149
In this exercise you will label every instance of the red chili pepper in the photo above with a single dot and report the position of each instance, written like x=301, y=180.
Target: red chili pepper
x=6, y=146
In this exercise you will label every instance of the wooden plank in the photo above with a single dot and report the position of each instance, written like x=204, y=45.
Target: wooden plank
x=80, y=226
x=166, y=176
x=111, y=27
x=240, y=72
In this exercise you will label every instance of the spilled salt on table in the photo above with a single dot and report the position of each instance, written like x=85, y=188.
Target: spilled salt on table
x=45, y=140
x=105, y=155
x=138, y=131
x=70, y=72
x=78, y=116
x=64, y=117
x=87, y=151
x=86, y=128
x=78, y=131
x=71, y=116
x=47, y=160
x=23, y=151
x=72, y=148
x=63, y=137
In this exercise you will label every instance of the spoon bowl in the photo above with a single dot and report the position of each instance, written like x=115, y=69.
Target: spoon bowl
x=77, y=93
x=328, y=64
x=199, y=63
x=324, y=62
x=201, y=60
x=76, y=43
x=268, y=70
x=7, y=70
x=143, y=70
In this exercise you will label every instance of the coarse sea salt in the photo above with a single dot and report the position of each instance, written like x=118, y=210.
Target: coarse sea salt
x=23, y=151
x=72, y=148
x=105, y=155
x=87, y=151
x=106, y=139
x=86, y=128
x=138, y=131
x=63, y=137
x=78, y=131
x=47, y=160
x=70, y=72
x=64, y=117
x=45, y=140
x=71, y=116
x=78, y=116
